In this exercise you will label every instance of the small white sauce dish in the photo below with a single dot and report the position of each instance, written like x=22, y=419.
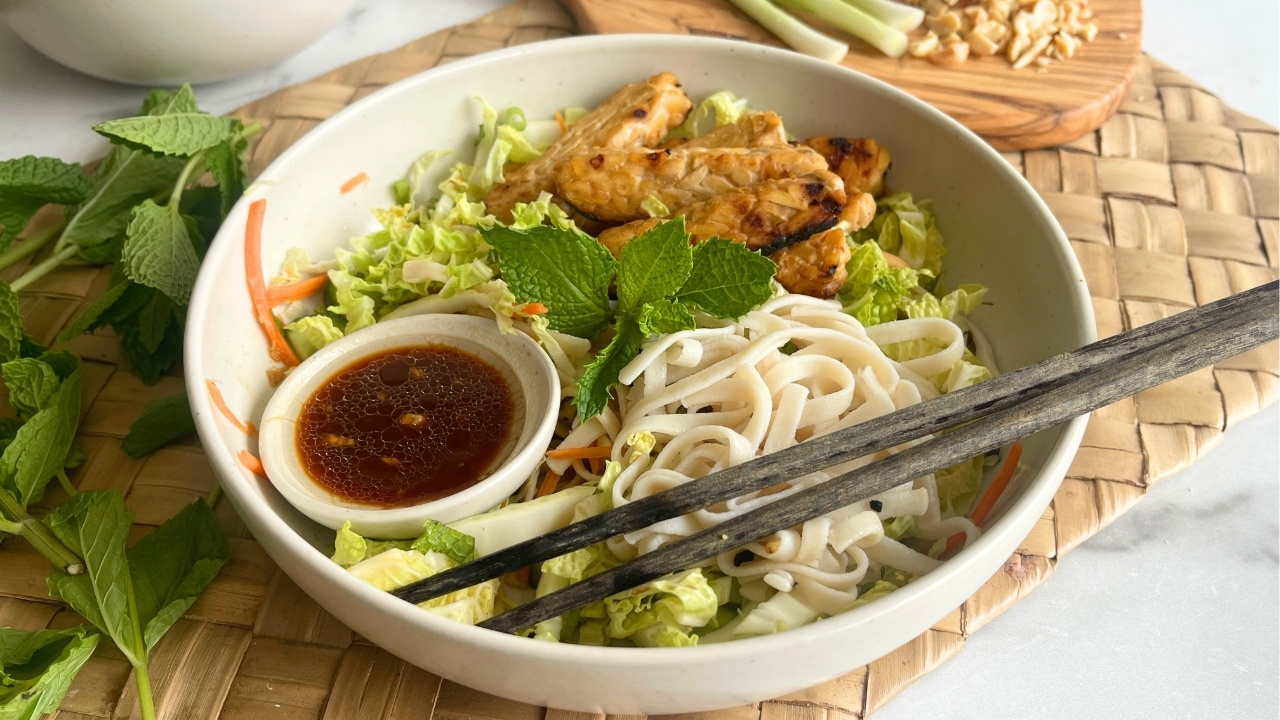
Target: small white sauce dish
x=535, y=391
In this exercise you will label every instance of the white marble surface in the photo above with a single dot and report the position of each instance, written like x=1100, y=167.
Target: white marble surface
x=1170, y=612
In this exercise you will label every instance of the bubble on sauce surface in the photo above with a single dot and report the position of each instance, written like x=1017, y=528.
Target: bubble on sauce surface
x=407, y=426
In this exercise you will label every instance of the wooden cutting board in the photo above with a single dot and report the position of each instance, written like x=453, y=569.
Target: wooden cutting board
x=1013, y=109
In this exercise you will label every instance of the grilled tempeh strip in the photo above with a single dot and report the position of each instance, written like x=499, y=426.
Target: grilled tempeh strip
x=860, y=162
x=612, y=185
x=757, y=129
x=640, y=114
x=767, y=216
x=816, y=266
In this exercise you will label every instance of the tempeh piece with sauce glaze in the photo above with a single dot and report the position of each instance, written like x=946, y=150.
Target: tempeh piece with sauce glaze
x=614, y=185
x=860, y=162
x=816, y=266
x=638, y=115
x=767, y=216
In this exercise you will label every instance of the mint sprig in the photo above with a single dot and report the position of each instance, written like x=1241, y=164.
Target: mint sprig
x=661, y=280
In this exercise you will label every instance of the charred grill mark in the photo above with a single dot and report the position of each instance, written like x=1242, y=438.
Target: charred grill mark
x=843, y=145
x=814, y=189
x=578, y=210
x=831, y=206
x=597, y=161
x=639, y=113
x=654, y=158
x=778, y=242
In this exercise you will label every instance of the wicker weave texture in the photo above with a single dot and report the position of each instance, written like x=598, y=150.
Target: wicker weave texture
x=1172, y=203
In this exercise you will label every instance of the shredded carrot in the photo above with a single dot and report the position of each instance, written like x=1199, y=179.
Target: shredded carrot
x=580, y=453
x=564, y=127
x=252, y=463
x=282, y=294
x=518, y=577
x=596, y=465
x=533, y=308
x=993, y=493
x=355, y=182
x=219, y=402
x=548, y=485
x=280, y=350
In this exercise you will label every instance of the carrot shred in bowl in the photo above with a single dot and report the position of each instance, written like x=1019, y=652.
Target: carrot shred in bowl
x=220, y=402
x=355, y=182
x=280, y=349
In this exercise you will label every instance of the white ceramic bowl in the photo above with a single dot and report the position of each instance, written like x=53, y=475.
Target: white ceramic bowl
x=525, y=367
x=998, y=232
x=169, y=42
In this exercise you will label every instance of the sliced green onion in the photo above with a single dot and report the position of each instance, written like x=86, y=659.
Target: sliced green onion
x=887, y=40
x=514, y=117
x=899, y=16
x=791, y=31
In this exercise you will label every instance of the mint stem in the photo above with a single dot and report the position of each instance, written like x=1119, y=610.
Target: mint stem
x=181, y=184
x=44, y=268
x=66, y=483
x=214, y=494
x=141, y=678
x=30, y=245
x=39, y=536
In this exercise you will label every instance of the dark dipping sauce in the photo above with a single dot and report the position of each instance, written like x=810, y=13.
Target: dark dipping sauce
x=410, y=425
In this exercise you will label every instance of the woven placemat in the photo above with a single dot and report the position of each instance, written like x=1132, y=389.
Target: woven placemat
x=1172, y=203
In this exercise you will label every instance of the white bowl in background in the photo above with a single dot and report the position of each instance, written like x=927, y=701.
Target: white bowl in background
x=523, y=365
x=170, y=42
x=998, y=231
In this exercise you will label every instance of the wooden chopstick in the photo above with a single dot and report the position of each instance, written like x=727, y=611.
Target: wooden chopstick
x=872, y=436
x=1255, y=323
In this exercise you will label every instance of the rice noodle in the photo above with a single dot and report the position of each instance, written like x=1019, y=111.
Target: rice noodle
x=715, y=397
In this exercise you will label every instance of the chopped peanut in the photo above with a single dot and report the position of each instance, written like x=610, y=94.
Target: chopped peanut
x=1024, y=31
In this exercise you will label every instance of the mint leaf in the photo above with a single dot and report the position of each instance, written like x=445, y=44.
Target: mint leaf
x=163, y=420
x=122, y=180
x=662, y=317
x=41, y=446
x=36, y=668
x=654, y=265
x=148, y=364
x=28, y=183
x=172, y=565
x=567, y=271
x=31, y=384
x=88, y=319
x=178, y=134
x=728, y=279
x=454, y=544
x=94, y=524
x=11, y=331
x=162, y=102
x=595, y=387
x=226, y=165
x=158, y=252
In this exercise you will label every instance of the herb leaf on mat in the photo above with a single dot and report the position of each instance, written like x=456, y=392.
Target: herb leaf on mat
x=12, y=332
x=179, y=134
x=31, y=383
x=27, y=183
x=40, y=447
x=158, y=252
x=170, y=566
x=36, y=668
x=163, y=420
x=135, y=596
x=94, y=524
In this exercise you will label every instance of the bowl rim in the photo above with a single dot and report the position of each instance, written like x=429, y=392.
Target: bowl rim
x=1040, y=488
x=398, y=333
